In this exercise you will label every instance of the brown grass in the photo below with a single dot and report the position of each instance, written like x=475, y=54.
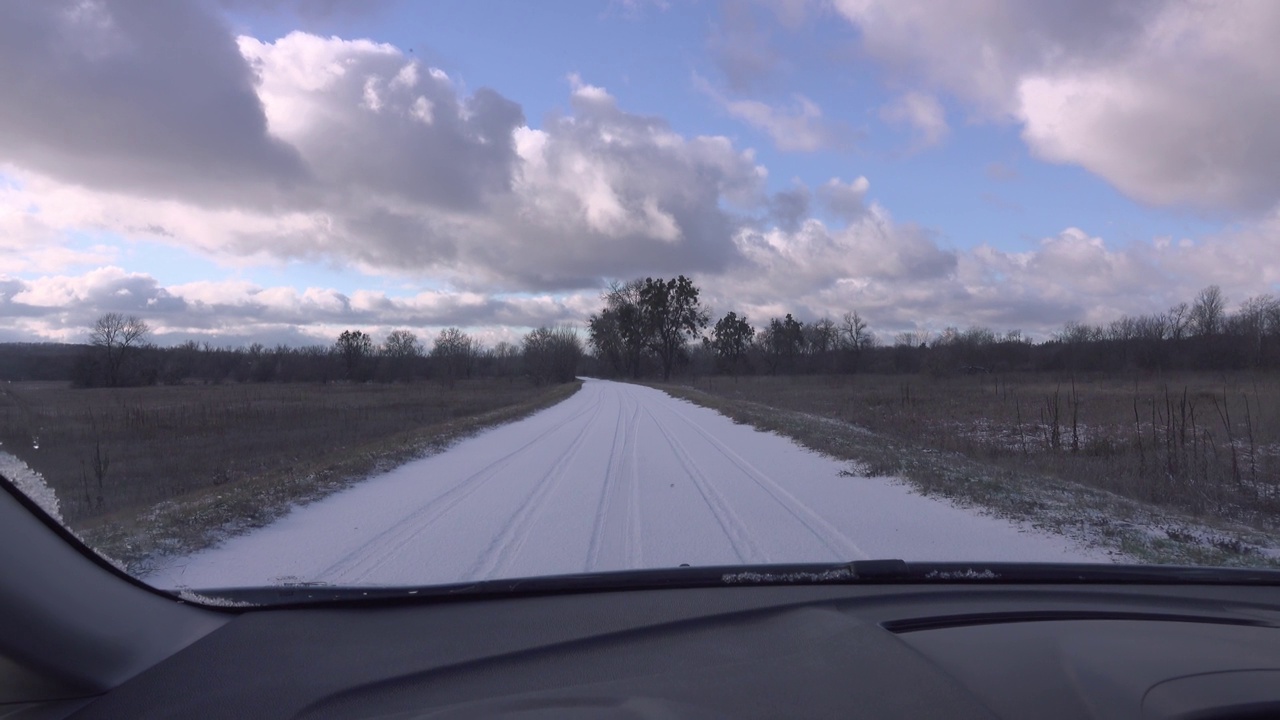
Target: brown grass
x=173, y=469
x=1204, y=447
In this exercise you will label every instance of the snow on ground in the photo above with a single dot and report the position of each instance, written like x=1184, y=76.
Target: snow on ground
x=616, y=477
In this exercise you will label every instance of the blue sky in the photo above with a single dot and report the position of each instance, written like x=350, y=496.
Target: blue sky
x=252, y=169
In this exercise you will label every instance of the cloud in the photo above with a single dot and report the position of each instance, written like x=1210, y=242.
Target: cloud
x=1001, y=172
x=152, y=98
x=978, y=50
x=901, y=278
x=310, y=9
x=845, y=200
x=407, y=174
x=607, y=193
x=816, y=256
x=797, y=127
x=898, y=275
x=1173, y=103
x=788, y=208
x=1187, y=117
x=741, y=47
x=371, y=122
x=793, y=13
x=923, y=113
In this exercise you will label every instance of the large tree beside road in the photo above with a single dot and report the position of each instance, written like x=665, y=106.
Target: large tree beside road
x=651, y=315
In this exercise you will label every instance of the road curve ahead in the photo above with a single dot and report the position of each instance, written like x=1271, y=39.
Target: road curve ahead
x=616, y=477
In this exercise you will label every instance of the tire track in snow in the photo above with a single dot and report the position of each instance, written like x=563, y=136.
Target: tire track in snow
x=837, y=542
x=623, y=441
x=635, y=532
x=506, y=545
x=380, y=548
x=734, y=530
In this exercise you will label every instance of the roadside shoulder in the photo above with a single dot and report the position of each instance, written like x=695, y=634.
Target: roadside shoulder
x=200, y=520
x=1131, y=530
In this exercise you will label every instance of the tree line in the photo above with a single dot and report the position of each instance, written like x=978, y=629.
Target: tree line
x=660, y=327
x=657, y=327
x=120, y=354
x=654, y=327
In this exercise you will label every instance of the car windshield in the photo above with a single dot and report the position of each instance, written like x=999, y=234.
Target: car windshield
x=397, y=294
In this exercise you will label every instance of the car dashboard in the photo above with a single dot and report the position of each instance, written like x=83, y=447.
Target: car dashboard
x=801, y=651
x=81, y=640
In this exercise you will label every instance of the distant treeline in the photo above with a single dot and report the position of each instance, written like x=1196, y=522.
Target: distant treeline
x=654, y=327
x=631, y=336
x=119, y=355
x=38, y=361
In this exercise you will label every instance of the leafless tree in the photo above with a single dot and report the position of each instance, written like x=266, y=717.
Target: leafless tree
x=854, y=333
x=506, y=359
x=552, y=354
x=399, y=352
x=402, y=344
x=1179, y=318
x=1254, y=322
x=1075, y=333
x=453, y=351
x=822, y=335
x=912, y=338
x=1209, y=311
x=117, y=336
x=1152, y=328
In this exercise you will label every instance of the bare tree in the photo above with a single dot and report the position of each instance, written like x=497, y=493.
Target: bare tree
x=616, y=334
x=913, y=338
x=552, y=354
x=1122, y=329
x=506, y=359
x=856, y=338
x=1208, y=312
x=1152, y=328
x=1254, y=323
x=453, y=351
x=117, y=336
x=1178, y=318
x=1076, y=333
x=399, y=352
x=401, y=344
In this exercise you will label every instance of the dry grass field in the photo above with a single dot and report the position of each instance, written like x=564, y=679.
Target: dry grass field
x=139, y=470
x=1205, y=446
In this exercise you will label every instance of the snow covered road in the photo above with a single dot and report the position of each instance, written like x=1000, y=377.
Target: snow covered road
x=616, y=477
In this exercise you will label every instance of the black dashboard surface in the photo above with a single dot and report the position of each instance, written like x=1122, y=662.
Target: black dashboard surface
x=930, y=650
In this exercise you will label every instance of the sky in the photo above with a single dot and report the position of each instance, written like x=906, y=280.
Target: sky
x=277, y=171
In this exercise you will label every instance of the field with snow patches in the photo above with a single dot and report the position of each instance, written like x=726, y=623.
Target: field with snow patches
x=617, y=477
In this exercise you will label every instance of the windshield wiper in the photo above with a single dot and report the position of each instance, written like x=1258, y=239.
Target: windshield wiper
x=857, y=572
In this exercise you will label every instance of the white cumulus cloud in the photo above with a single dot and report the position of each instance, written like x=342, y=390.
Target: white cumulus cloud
x=1175, y=103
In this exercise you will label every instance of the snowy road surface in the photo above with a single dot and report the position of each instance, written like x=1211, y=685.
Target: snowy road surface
x=616, y=477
